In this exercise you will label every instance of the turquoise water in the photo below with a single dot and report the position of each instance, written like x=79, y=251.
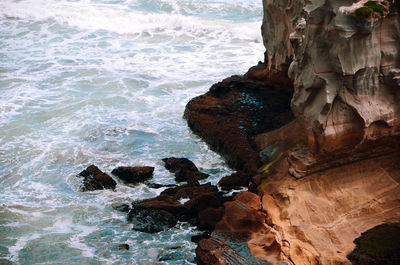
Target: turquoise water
x=105, y=82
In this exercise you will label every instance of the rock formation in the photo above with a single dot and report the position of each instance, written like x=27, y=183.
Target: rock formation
x=332, y=173
x=345, y=70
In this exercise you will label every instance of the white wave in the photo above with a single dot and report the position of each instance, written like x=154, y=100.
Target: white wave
x=121, y=20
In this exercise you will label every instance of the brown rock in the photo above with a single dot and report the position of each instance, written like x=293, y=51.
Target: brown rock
x=174, y=164
x=234, y=181
x=95, y=179
x=232, y=112
x=162, y=202
x=133, y=175
x=209, y=217
x=201, y=202
x=188, y=191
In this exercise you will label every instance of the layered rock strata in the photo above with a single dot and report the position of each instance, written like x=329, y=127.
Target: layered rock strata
x=345, y=70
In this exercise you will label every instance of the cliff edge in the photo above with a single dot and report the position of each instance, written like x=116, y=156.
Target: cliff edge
x=323, y=162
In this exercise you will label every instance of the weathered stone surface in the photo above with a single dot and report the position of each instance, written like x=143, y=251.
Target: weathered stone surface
x=133, y=175
x=188, y=191
x=174, y=164
x=233, y=111
x=235, y=181
x=345, y=71
x=95, y=179
x=162, y=202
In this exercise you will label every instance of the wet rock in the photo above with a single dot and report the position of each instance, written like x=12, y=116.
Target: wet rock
x=174, y=164
x=203, y=201
x=123, y=246
x=209, y=217
x=122, y=207
x=161, y=202
x=150, y=220
x=196, y=238
x=189, y=176
x=95, y=179
x=158, y=186
x=234, y=181
x=188, y=191
x=133, y=175
x=235, y=110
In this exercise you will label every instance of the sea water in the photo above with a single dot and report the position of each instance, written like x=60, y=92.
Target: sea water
x=105, y=82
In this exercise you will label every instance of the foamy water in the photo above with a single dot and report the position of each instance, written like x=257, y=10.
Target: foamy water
x=105, y=82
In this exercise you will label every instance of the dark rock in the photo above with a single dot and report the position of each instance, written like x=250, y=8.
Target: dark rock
x=233, y=112
x=122, y=207
x=162, y=202
x=188, y=191
x=189, y=176
x=196, y=238
x=95, y=179
x=123, y=246
x=133, y=175
x=151, y=221
x=203, y=201
x=209, y=217
x=173, y=164
x=157, y=186
x=234, y=181
x=377, y=246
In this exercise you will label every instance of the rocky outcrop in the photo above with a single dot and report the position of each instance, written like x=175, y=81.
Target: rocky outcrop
x=133, y=175
x=313, y=220
x=345, y=70
x=95, y=179
x=236, y=109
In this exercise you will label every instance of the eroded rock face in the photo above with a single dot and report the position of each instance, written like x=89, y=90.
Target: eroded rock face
x=345, y=70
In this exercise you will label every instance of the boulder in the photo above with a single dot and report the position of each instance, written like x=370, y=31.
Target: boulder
x=188, y=191
x=234, y=181
x=133, y=175
x=174, y=164
x=95, y=179
x=151, y=221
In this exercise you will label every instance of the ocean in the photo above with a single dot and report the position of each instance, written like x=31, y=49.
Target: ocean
x=105, y=82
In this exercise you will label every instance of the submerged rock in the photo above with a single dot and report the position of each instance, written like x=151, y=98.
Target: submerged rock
x=95, y=179
x=133, y=175
x=150, y=220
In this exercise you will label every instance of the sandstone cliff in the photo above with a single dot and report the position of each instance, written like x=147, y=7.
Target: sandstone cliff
x=345, y=69
x=333, y=172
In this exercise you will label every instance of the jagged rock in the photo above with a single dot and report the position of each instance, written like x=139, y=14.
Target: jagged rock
x=189, y=176
x=133, y=175
x=157, y=185
x=162, y=202
x=95, y=179
x=201, y=202
x=345, y=76
x=234, y=111
x=174, y=164
x=188, y=191
x=209, y=217
x=234, y=181
x=150, y=220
